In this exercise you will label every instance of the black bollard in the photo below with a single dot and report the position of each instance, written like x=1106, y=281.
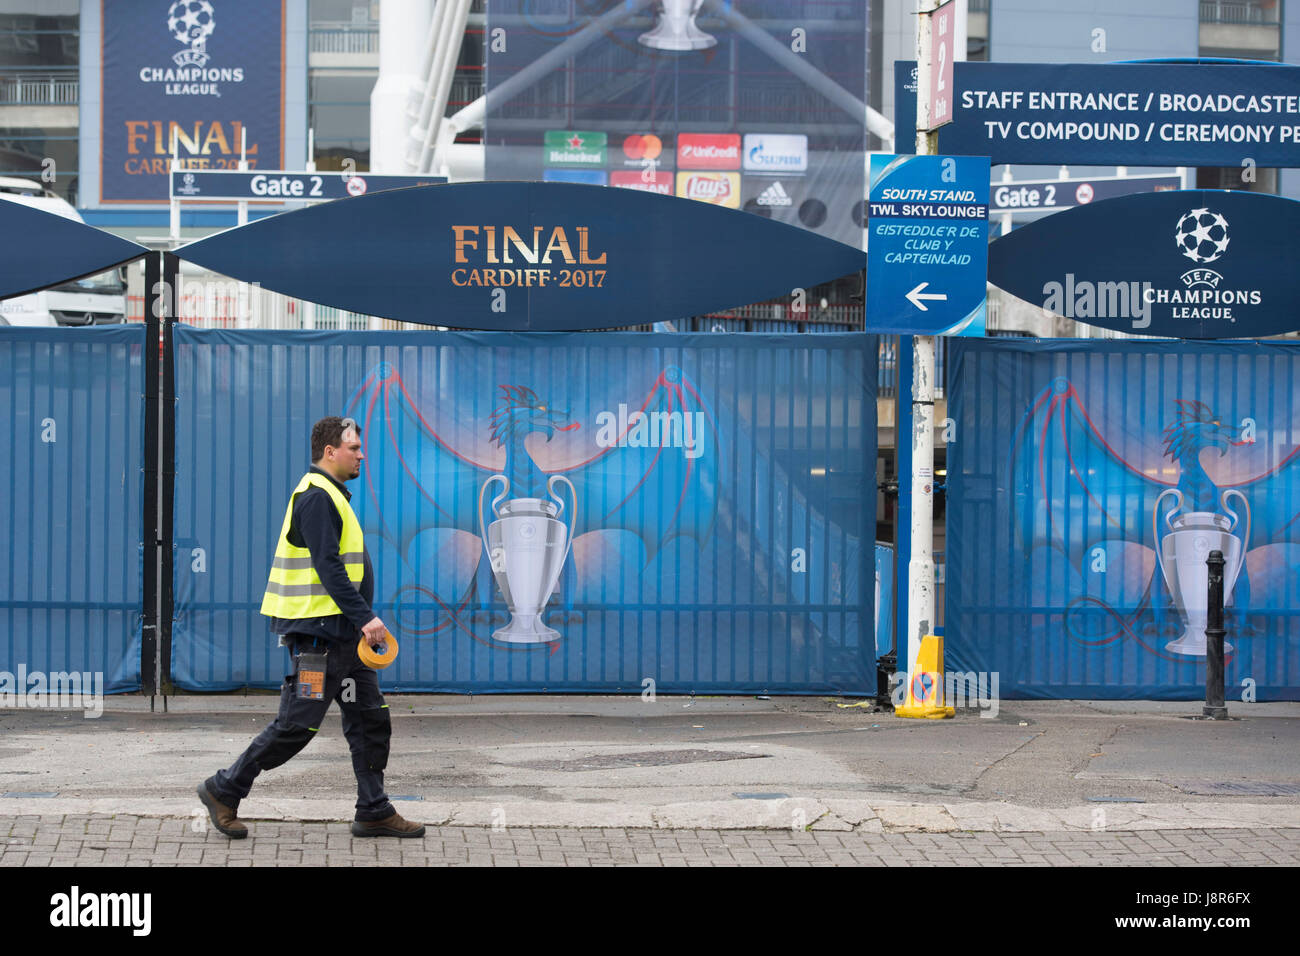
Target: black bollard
x=1214, y=707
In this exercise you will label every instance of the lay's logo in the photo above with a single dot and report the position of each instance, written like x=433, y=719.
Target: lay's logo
x=721, y=189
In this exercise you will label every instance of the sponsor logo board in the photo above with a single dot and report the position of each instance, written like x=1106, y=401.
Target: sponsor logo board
x=721, y=189
x=642, y=150
x=574, y=148
x=589, y=177
x=708, y=150
x=646, y=180
x=775, y=153
x=774, y=195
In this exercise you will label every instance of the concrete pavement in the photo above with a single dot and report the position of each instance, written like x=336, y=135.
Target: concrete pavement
x=688, y=765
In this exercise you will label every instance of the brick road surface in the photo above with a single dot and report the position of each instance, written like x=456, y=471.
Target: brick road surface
x=144, y=841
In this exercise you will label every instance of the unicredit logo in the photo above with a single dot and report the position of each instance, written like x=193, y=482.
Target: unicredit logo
x=708, y=150
x=711, y=152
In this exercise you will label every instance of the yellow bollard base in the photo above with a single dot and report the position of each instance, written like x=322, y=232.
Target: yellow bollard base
x=928, y=712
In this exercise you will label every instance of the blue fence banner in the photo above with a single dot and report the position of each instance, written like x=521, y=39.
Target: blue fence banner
x=561, y=513
x=1200, y=264
x=525, y=256
x=70, y=575
x=884, y=598
x=30, y=263
x=1087, y=484
x=1117, y=114
x=193, y=73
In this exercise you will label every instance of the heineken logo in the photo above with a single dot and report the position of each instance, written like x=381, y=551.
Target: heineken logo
x=574, y=148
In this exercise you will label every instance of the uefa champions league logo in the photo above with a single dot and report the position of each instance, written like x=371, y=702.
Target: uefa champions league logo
x=1202, y=236
x=192, y=22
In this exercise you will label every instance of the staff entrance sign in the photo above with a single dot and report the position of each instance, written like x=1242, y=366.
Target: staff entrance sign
x=927, y=245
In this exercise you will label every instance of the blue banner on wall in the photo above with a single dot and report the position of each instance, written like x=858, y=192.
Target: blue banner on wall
x=1086, y=486
x=688, y=510
x=1199, y=264
x=70, y=572
x=1117, y=114
x=200, y=72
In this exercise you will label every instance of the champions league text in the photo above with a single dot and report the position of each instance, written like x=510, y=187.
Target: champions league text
x=496, y=246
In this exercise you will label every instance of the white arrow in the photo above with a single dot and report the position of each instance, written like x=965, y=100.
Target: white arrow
x=916, y=295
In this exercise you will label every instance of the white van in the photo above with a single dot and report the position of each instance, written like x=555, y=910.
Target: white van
x=94, y=300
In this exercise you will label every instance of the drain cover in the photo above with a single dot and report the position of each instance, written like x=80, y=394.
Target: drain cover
x=30, y=793
x=1116, y=800
x=1246, y=788
x=762, y=796
x=647, y=758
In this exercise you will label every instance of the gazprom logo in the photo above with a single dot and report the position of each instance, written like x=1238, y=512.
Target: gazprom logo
x=775, y=153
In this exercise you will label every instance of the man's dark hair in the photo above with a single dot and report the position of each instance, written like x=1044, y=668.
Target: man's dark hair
x=329, y=431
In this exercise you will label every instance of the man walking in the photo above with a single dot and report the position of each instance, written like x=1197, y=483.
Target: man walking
x=319, y=600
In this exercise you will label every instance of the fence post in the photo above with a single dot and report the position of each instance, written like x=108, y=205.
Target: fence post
x=1214, y=707
x=160, y=274
x=149, y=526
x=167, y=474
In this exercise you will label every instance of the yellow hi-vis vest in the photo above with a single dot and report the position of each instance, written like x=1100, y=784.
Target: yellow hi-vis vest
x=294, y=590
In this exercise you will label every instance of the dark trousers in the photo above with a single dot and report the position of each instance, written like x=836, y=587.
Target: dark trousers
x=366, y=725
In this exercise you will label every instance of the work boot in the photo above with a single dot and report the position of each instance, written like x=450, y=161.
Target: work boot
x=393, y=826
x=223, y=817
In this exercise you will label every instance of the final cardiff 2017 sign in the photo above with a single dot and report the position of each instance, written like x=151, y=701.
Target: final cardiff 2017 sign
x=1195, y=264
x=525, y=256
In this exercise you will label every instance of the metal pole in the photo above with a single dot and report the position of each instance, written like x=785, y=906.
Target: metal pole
x=1214, y=707
x=242, y=216
x=167, y=475
x=154, y=292
x=920, y=569
x=174, y=206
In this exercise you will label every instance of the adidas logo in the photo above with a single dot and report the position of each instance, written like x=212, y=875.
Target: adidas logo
x=774, y=195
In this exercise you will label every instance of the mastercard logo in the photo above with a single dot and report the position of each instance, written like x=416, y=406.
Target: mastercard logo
x=643, y=146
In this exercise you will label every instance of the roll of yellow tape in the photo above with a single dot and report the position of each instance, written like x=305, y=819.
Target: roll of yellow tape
x=380, y=657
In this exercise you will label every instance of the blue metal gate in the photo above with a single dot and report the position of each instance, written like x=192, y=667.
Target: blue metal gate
x=730, y=551
x=70, y=580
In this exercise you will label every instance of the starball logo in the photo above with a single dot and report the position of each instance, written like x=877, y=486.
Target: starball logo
x=1201, y=235
x=191, y=22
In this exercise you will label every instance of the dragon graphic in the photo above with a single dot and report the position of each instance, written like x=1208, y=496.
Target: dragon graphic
x=1073, y=491
x=421, y=483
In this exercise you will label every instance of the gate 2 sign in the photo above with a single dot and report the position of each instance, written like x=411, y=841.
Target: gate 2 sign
x=1196, y=264
x=927, y=246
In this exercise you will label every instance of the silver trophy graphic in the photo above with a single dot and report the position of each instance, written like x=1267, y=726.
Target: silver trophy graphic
x=1182, y=553
x=676, y=30
x=527, y=546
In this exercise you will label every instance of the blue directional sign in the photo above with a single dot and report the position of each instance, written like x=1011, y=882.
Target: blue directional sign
x=278, y=185
x=927, y=246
